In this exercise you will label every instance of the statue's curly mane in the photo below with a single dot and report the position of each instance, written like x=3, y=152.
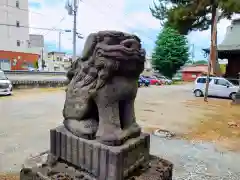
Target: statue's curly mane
x=105, y=77
x=98, y=63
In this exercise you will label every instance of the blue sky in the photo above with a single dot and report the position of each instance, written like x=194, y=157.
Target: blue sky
x=127, y=15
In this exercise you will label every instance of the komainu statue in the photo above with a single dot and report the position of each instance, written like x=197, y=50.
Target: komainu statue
x=102, y=88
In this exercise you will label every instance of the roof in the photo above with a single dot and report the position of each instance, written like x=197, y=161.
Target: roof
x=231, y=41
x=195, y=68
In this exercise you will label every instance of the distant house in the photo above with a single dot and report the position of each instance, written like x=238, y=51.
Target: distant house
x=191, y=72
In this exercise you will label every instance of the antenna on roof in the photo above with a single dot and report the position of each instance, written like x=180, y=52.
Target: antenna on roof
x=69, y=7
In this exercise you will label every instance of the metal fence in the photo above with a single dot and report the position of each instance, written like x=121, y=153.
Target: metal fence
x=234, y=81
x=18, y=72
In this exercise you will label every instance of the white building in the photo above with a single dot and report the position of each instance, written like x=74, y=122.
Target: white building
x=148, y=63
x=57, y=61
x=14, y=23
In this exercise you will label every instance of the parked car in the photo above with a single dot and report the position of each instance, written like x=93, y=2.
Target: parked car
x=143, y=81
x=5, y=84
x=153, y=80
x=165, y=80
x=218, y=86
x=32, y=69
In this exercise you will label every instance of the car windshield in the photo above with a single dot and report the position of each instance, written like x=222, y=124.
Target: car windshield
x=2, y=76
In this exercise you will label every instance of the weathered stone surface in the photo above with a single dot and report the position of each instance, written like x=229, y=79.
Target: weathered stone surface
x=154, y=169
x=103, y=86
x=98, y=159
x=237, y=98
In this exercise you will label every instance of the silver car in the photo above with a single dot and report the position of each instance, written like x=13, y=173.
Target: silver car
x=218, y=86
x=5, y=84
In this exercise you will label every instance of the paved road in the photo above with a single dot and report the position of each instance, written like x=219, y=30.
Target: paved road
x=25, y=120
x=35, y=77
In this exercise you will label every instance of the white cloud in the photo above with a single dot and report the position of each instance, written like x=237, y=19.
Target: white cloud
x=93, y=15
x=144, y=20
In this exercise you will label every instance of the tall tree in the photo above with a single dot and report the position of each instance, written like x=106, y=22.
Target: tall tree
x=36, y=64
x=191, y=15
x=170, y=53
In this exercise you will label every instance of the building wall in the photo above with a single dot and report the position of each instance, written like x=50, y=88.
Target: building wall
x=57, y=61
x=147, y=64
x=17, y=60
x=233, y=67
x=190, y=76
x=9, y=32
x=36, y=40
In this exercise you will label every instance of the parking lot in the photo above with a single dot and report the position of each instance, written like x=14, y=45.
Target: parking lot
x=27, y=116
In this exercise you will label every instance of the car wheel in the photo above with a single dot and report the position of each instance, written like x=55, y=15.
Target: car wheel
x=233, y=96
x=157, y=84
x=198, y=93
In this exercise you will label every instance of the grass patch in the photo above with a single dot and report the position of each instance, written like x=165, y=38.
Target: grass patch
x=180, y=82
x=219, y=122
x=52, y=89
x=9, y=176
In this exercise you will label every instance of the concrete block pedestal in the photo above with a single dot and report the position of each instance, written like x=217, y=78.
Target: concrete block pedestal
x=74, y=158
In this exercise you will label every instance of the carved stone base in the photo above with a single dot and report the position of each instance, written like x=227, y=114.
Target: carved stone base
x=237, y=99
x=154, y=169
x=103, y=162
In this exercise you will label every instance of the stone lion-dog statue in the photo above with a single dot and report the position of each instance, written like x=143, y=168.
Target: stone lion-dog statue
x=102, y=88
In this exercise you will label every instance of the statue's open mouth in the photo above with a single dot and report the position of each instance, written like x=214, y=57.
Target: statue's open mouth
x=127, y=49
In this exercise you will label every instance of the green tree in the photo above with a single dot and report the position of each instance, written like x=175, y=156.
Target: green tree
x=200, y=62
x=196, y=62
x=36, y=64
x=191, y=15
x=170, y=52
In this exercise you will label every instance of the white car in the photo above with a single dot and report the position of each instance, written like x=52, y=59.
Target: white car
x=5, y=84
x=165, y=80
x=218, y=86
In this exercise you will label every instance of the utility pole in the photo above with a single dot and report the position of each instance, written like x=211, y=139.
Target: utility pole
x=59, y=41
x=72, y=8
x=74, y=29
x=212, y=62
x=193, y=53
x=60, y=38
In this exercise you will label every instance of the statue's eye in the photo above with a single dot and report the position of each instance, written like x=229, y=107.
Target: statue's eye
x=111, y=40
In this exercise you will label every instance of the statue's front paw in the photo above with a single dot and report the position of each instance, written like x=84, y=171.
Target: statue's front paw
x=84, y=128
x=114, y=138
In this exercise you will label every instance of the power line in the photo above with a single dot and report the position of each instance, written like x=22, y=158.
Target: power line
x=54, y=27
x=104, y=13
x=27, y=10
x=40, y=28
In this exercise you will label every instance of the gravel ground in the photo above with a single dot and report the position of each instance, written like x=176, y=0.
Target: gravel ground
x=27, y=117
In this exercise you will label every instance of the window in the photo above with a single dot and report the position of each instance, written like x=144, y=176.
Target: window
x=17, y=4
x=18, y=43
x=203, y=80
x=221, y=82
x=17, y=23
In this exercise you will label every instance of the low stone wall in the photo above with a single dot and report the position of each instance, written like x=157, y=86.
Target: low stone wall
x=25, y=84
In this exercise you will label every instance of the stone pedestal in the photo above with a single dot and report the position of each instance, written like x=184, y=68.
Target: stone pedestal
x=75, y=158
x=237, y=99
x=104, y=162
